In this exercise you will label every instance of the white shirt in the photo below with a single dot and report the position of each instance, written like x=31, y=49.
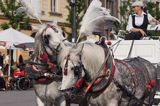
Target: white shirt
x=138, y=20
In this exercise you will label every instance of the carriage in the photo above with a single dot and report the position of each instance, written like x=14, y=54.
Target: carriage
x=148, y=49
x=49, y=40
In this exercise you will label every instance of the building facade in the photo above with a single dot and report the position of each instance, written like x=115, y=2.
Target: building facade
x=55, y=10
x=51, y=10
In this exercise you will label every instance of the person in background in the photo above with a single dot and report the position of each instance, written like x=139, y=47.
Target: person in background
x=18, y=73
x=138, y=22
x=6, y=62
x=1, y=59
x=21, y=61
x=2, y=81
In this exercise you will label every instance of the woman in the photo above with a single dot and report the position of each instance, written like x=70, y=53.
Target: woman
x=138, y=22
x=21, y=61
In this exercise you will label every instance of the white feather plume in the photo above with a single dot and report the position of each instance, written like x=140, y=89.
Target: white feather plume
x=32, y=8
x=95, y=19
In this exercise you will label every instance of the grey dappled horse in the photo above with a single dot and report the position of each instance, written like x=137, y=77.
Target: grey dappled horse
x=91, y=71
x=49, y=41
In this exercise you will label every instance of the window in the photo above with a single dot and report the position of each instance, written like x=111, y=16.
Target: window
x=53, y=6
x=25, y=26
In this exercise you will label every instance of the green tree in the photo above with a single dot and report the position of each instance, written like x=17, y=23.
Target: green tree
x=80, y=9
x=9, y=11
x=124, y=12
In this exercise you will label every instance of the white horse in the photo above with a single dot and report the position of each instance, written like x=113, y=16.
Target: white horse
x=91, y=71
x=49, y=41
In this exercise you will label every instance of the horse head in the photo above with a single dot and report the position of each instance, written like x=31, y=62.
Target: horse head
x=50, y=36
x=71, y=66
x=81, y=66
x=48, y=41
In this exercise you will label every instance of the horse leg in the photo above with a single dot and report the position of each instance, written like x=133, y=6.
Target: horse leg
x=62, y=102
x=39, y=102
x=84, y=103
x=113, y=102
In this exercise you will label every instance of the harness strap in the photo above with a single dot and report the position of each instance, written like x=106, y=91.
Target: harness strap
x=131, y=70
x=110, y=79
x=95, y=79
x=130, y=94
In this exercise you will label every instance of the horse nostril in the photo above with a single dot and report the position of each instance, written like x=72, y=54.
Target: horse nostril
x=48, y=36
x=46, y=41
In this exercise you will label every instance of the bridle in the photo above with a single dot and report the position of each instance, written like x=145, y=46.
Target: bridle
x=46, y=59
x=45, y=39
x=45, y=42
x=78, y=70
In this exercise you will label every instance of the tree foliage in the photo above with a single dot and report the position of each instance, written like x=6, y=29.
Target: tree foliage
x=8, y=10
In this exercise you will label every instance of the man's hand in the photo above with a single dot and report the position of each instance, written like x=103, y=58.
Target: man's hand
x=142, y=32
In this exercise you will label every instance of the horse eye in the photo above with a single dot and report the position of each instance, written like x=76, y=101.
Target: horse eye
x=48, y=36
x=75, y=69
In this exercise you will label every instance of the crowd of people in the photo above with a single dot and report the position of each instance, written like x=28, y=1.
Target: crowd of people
x=16, y=70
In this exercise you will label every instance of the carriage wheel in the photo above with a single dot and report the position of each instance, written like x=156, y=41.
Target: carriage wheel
x=23, y=83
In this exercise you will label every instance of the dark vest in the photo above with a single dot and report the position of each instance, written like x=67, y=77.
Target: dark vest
x=144, y=25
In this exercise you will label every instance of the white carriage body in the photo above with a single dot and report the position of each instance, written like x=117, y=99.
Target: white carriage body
x=147, y=49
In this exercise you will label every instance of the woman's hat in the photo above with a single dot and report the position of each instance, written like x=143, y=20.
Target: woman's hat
x=138, y=3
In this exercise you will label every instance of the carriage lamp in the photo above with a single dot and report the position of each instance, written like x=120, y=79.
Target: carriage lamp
x=74, y=27
x=108, y=28
x=73, y=1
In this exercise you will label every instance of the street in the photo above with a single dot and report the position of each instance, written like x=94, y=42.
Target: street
x=17, y=98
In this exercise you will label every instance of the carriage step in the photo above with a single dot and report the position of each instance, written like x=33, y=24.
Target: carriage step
x=157, y=99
